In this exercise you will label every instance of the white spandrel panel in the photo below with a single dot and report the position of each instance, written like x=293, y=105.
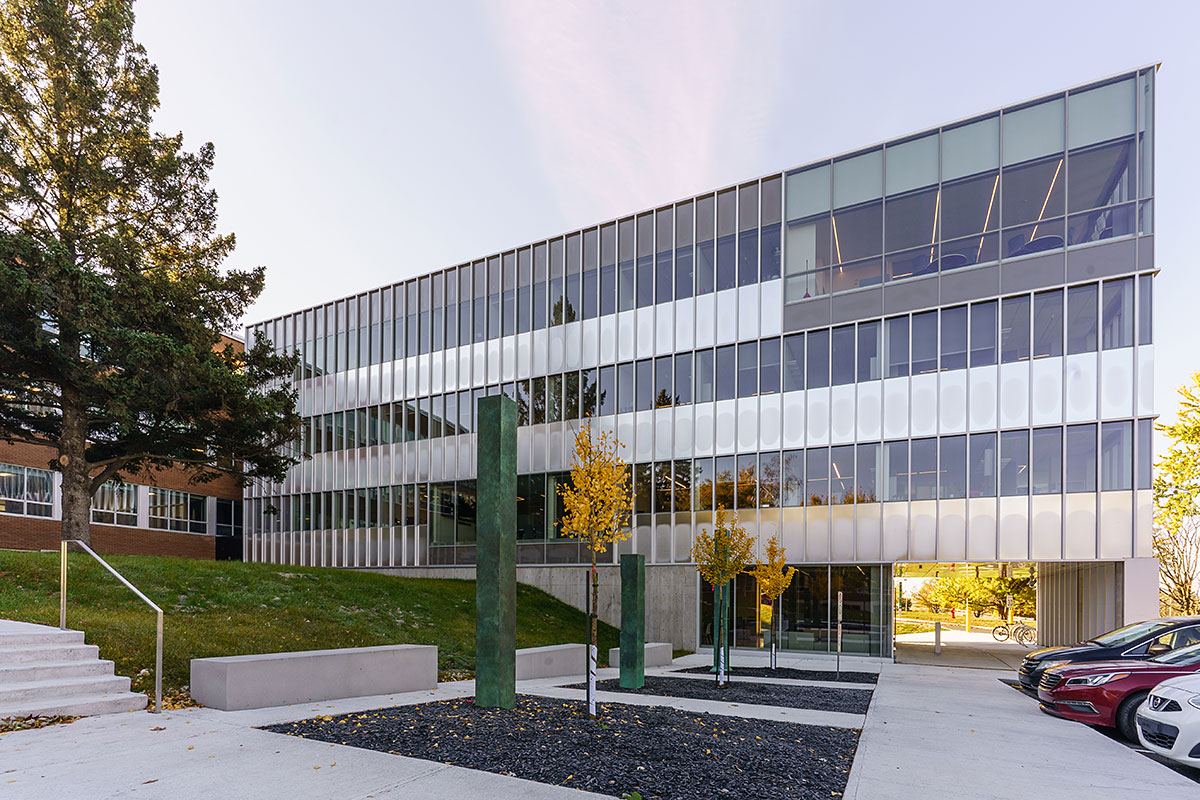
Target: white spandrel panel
x=541, y=352
x=816, y=545
x=387, y=386
x=1046, y=533
x=895, y=531
x=923, y=404
x=922, y=533
x=1116, y=383
x=436, y=460
x=870, y=410
x=1012, y=530
x=664, y=324
x=411, y=387
x=895, y=408
x=450, y=454
x=608, y=339
x=770, y=321
x=769, y=424
x=524, y=355
x=747, y=424
x=952, y=530
x=683, y=432
x=664, y=428
x=868, y=530
x=554, y=361
x=1046, y=381
x=1116, y=525
x=793, y=419
x=1080, y=405
x=645, y=332
x=451, y=369
x=726, y=423
x=841, y=414
x=792, y=537
x=589, y=352
x=981, y=529
x=685, y=323
x=841, y=533
x=524, y=446
x=703, y=428
x=572, y=345
x=627, y=335
x=374, y=374
x=1145, y=388
x=727, y=316
x=644, y=437
x=706, y=320
x=982, y=397
x=423, y=373
x=437, y=373
x=464, y=367
x=1079, y=536
x=1014, y=394
x=537, y=448
x=817, y=417
x=554, y=445
x=952, y=401
x=1143, y=535
x=748, y=311
x=478, y=365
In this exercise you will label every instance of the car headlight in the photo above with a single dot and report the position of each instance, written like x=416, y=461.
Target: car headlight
x=1097, y=680
x=1053, y=664
x=1194, y=701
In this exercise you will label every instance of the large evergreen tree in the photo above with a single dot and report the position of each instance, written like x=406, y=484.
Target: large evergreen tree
x=112, y=298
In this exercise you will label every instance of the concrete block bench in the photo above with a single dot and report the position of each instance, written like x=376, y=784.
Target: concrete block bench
x=553, y=661
x=658, y=654
x=234, y=683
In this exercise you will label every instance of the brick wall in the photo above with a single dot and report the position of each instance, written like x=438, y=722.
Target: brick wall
x=36, y=533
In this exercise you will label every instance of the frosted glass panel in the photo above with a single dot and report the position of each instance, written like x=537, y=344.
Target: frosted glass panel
x=912, y=165
x=1098, y=115
x=1033, y=132
x=808, y=192
x=981, y=529
x=841, y=536
x=952, y=530
x=971, y=149
x=869, y=531
x=858, y=179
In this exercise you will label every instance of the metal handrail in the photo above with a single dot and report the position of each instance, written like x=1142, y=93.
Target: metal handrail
x=62, y=611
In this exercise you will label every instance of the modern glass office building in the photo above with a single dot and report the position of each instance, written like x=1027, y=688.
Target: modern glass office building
x=934, y=349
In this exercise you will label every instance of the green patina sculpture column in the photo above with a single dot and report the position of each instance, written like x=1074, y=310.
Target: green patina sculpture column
x=633, y=621
x=496, y=553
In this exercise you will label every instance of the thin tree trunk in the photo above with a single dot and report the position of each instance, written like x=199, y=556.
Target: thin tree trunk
x=593, y=638
x=76, y=481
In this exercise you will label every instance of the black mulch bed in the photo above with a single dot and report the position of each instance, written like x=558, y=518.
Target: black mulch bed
x=817, y=698
x=795, y=674
x=657, y=751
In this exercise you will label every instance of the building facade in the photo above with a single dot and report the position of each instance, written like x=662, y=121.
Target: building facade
x=935, y=349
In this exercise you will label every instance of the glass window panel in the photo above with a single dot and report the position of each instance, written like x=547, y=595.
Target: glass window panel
x=1117, y=328
x=817, y=476
x=1101, y=176
x=954, y=338
x=923, y=475
x=1032, y=193
x=1014, y=463
x=665, y=277
x=896, y=473
x=969, y=207
x=858, y=179
x=1081, y=318
x=1033, y=131
x=793, y=478
x=1081, y=458
x=808, y=192
x=842, y=363
x=554, y=398
x=768, y=480
x=912, y=221
x=770, y=253
x=706, y=378
x=606, y=393
x=866, y=474
x=952, y=469
x=1103, y=113
x=747, y=481
x=809, y=244
x=726, y=469
x=912, y=164
x=971, y=148
x=983, y=465
x=683, y=378
x=663, y=478
x=1145, y=309
x=726, y=241
x=1048, y=324
x=683, y=485
x=747, y=367
x=664, y=394
x=645, y=385
x=896, y=345
x=625, y=388
x=748, y=206
x=726, y=373
x=588, y=391
x=924, y=342
x=1106, y=223
x=869, y=361
x=1047, y=460
x=1116, y=456
x=983, y=333
x=1145, y=453
x=857, y=232
x=1014, y=329
x=643, y=488
x=841, y=474
x=793, y=362
x=702, y=480
x=768, y=366
x=818, y=359
x=748, y=258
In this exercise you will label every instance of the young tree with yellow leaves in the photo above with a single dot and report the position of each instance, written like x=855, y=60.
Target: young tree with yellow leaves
x=773, y=577
x=720, y=557
x=595, y=511
x=1177, y=507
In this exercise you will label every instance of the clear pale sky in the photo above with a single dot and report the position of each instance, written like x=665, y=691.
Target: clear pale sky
x=360, y=143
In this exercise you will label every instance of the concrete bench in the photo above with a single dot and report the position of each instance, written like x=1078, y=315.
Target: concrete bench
x=658, y=654
x=553, y=661
x=234, y=683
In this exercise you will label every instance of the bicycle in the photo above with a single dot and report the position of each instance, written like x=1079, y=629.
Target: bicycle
x=1019, y=632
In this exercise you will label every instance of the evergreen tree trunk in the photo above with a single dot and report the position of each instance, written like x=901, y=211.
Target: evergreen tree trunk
x=76, y=480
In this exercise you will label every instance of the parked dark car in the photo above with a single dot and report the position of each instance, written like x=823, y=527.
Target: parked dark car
x=1137, y=641
x=1108, y=693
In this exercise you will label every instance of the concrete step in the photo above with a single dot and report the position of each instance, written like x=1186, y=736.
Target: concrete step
x=46, y=691
x=28, y=654
x=51, y=670
x=40, y=637
x=82, y=706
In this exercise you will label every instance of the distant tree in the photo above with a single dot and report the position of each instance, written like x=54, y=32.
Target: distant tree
x=595, y=511
x=1177, y=507
x=112, y=299
x=720, y=557
x=774, y=577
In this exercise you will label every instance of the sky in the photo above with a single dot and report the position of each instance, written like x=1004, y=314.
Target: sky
x=360, y=143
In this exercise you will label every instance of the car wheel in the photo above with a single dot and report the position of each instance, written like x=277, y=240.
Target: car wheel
x=1125, y=715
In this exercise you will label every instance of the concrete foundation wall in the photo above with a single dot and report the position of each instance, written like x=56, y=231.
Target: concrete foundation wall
x=672, y=594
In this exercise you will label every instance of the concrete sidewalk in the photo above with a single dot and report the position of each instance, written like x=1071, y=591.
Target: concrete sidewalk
x=976, y=649
x=944, y=734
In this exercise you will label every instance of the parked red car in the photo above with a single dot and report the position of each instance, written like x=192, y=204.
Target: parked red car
x=1109, y=692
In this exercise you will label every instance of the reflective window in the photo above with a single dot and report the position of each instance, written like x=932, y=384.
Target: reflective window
x=793, y=362
x=747, y=355
x=645, y=385
x=970, y=207
x=702, y=481
x=747, y=481
x=954, y=338
x=1014, y=463
x=588, y=393
x=817, y=476
x=809, y=244
x=866, y=473
x=912, y=220
x=726, y=240
x=1116, y=456
x=1014, y=329
x=793, y=478
x=982, y=479
x=1032, y=193
x=1047, y=460
x=683, y=250
x=818, y=359
x=768, y=366
x=706, y=255
x=983, y=334
x=706, y=378
x=768, y=480
x=726, y=481
x=664, y=394
x=1145, y=306
x=606, y=399
x=857, y=232
x=895, y=465
x=869, y=361
x=1081, y=458
x=1117, y=330
x=952, y=471
x=896, y=345
x=769, y=246
x=1048, y=324
x=923, y=474
x=554, y=398
x=645, y=260
x=643, y=488
x=1101, y=176
x=842, y=362
x=683, y=485
x=1145, y=453
x=841, y=474
x=1081, y=319
x=726, y=373
x=663, y=478
x=924, y=342
x=626, y=274
x=683, y=378
x=625, y=391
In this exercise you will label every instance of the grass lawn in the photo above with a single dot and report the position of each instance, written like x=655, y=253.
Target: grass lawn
x=222, y=608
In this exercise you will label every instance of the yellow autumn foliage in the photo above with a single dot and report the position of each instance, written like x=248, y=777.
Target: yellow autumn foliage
x=596, y=504
x=774, y=576
x=725, y=552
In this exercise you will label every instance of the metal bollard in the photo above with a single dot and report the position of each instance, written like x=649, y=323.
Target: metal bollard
x=937, y=638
